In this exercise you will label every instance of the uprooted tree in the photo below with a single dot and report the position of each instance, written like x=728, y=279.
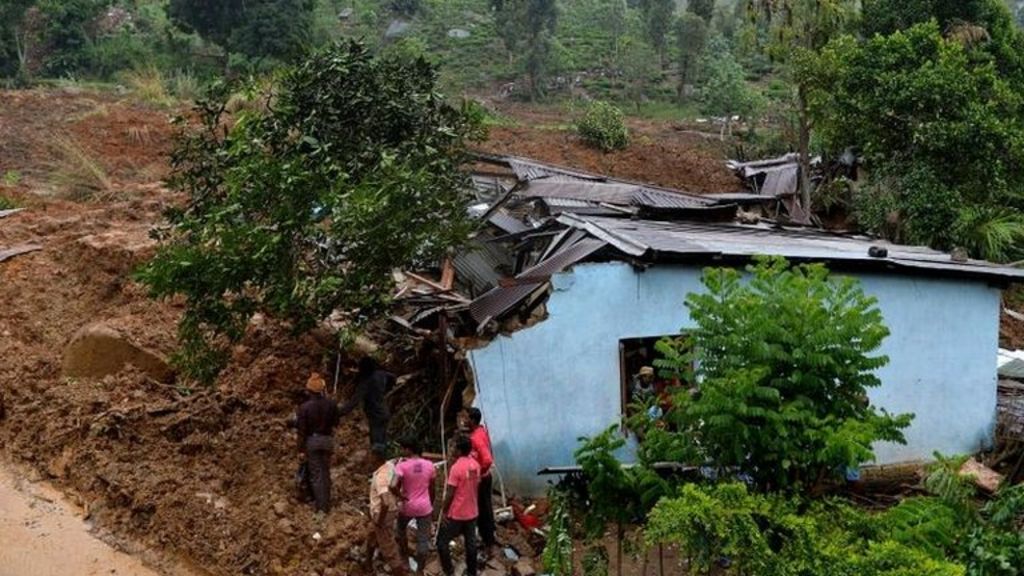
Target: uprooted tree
x=306, y=204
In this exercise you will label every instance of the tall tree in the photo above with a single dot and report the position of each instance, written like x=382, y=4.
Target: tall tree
x=256, y=28
x=657, y=15
x=797, y=30
x=530, y=24
x=309, y=205
x=916, y=104
x=66, y=33
x=724, y=91
x=509, y=20
x=703, y=8
x=691, y=38
x=541, y=23
x=13, y=36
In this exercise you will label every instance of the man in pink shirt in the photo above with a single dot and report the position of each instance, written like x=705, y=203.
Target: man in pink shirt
x=460, y=508
x=481, y=442
x=414, y=485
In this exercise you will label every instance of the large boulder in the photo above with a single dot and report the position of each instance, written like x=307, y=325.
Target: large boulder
x=99, y=350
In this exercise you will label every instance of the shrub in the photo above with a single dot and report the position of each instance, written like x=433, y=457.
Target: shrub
x=603, y=127
x=725, y=529
x=784, y=363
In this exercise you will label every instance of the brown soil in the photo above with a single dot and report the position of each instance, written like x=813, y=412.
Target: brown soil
x=206, y=475
x=659, y=153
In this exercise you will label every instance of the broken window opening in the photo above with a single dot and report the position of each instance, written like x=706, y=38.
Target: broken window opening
x=646, y=386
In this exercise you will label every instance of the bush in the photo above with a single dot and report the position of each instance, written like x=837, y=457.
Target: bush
x=784, y=363
x=603, y=127
x=725, y=529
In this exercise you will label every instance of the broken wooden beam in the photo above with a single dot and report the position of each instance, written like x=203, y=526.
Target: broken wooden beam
x=18, y=251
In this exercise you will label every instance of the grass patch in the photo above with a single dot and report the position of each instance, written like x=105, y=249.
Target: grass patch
x=11, y=178
x=79, y=175
x=148, y=85
x=7, y=204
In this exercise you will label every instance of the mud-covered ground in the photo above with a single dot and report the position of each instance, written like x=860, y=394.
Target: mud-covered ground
x=205, y=475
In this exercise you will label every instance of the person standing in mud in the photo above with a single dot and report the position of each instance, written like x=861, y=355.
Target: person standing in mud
x=384, y=511
x=315, y=421
x=480, y=440
x=372, y=384
x=460, y=508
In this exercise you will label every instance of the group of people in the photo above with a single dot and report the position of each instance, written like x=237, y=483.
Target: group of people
x=402, y=489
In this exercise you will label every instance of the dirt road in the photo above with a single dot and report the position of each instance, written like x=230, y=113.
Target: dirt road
x=41, y=534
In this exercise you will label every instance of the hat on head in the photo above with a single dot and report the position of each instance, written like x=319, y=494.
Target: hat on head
x=647, y=371
x=316, y=383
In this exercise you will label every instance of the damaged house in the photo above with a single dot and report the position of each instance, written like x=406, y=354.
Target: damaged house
x=574, y=276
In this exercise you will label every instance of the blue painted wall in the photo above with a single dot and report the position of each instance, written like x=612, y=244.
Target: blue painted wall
x=543, y=387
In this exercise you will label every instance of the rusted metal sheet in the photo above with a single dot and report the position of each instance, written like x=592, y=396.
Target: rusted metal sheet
x=500, y=300
x=18, y=251
x=649, y=238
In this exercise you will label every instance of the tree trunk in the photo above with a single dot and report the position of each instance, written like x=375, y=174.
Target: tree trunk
x=620, y=534
x=805, y=151
x=661, y=560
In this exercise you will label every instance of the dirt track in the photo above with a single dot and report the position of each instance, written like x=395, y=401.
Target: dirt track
x=43, y=535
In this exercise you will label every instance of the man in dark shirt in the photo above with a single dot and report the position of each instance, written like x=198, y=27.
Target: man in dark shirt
x=372, y=384
x=316, y=419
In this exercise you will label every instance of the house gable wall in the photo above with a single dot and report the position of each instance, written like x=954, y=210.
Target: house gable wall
x=543, y=387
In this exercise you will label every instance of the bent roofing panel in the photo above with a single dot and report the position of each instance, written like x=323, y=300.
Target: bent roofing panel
x=615, y=193
x=503, y=298
x=644, y=237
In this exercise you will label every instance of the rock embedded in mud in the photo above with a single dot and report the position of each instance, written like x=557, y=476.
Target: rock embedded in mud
x=281, y=508
x=98, y=350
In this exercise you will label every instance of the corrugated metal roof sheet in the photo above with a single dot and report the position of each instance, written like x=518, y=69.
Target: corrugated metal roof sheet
x=528, y=171
x=480, y=265
x=500, y=300
x=507, y=223
x=648, y=238
x=615, y=193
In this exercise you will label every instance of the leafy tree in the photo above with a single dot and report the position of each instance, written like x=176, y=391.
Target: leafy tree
x=784, y=363
x=691, y=40
x=723, y=89
x=657, y=15
x=308, y=204
x=255, y=28
x=541, y=22
x=530, y=24
x=915, y=103
x=509, y=21
x=638, y=65
x=703, y=8
x=797, y=29
x=66, y=33
x=13, y=36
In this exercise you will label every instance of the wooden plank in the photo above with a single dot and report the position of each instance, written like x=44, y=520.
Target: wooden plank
x=6, y=213
x=18, y=251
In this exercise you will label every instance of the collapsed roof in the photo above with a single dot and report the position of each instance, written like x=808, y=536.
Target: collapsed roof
x=537, y=220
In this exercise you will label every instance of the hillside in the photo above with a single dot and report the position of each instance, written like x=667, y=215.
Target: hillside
x=203, y=475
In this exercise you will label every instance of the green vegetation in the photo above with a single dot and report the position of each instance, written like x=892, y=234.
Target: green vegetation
x=603, y=127
x=308, y=205
x=777, y=369
x=784, y=363
x=945, y=104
